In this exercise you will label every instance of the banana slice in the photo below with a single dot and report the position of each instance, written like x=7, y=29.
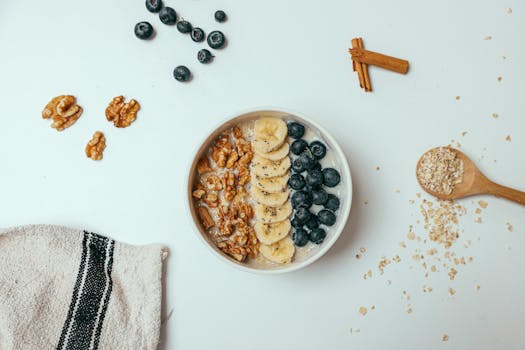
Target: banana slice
x=280, y=252
x=269, y=134
x=269, y=215
x=278, y=154
x=271, y=233
x=269, y=199
x=271, y=184
x=263, y=167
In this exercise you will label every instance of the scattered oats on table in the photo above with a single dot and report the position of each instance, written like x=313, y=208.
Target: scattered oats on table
x=488, y=37
x=458, y=98
x=363, y=310
x=483, y=204
x=507, y=138
x=500, y=78
x=451, y=291
x=495, y=115
x=444, y=337
x=509, y=226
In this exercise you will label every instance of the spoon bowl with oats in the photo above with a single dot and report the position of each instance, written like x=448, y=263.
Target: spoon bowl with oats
x=447, y=173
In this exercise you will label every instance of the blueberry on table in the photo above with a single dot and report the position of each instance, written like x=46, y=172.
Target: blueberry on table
x=318, y=149
x=204, y=56
x=303, y=214
x=184, y=27
x=300, y=237
x=296, y=223
x=314, y=178
x=298, y=146
x=326, y=217
x=296, y=182
x=331, y=177
x=220, y=16
x=143, y=30
x=216, y=39
x=313, y=222
x=297, y=166
x=168, y=16
x=154, y=5
x=197, y=35
x=332, y=202
x=307, y=160
x=295, y=130
x=319, y=197
x=301, y=199
x=317, y=235
x=182, y=73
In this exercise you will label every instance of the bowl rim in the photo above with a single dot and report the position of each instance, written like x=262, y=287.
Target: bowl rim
x=344, y=212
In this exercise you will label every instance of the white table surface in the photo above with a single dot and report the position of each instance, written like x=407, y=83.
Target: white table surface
x=290, y=54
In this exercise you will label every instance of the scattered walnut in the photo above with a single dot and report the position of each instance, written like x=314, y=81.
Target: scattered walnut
x=203, y=165
x=121, y=113
x=96, y=146
x=63, y=110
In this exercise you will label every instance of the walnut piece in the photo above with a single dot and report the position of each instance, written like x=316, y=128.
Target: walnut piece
x=96, y=146
x=206, y=218
x=63, y=110
x=203, y=166
x=121, y=113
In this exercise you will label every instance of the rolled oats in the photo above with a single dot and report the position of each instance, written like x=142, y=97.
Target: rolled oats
x=440, y=170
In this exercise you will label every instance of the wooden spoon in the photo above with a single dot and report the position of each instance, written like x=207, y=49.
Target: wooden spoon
x=474, y=182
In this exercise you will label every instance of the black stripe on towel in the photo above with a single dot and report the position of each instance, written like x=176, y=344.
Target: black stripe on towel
x=88, y=307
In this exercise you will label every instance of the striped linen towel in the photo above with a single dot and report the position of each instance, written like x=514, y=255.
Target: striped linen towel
x=68, y=289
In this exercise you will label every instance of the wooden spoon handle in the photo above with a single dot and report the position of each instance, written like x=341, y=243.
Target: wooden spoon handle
x=507, y=192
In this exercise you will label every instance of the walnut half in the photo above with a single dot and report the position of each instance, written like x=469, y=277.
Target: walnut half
x=121, y=113
x=96, y=146
x=64, y=111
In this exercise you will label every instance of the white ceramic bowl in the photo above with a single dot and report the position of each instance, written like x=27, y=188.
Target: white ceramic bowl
x=314, y=252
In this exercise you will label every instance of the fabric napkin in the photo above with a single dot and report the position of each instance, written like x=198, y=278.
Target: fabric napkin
x=62, y=288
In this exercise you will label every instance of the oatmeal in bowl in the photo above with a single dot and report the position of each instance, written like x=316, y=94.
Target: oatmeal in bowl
x=269, y=191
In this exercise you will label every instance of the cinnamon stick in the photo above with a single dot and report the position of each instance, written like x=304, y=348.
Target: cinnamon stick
x=394, y=64
x=358, y=67
x=366, y=77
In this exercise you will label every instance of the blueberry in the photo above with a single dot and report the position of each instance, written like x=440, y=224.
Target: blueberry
x=317, y=235
x=317, y=166
x=307, y=160
x=318, y=149
x=314, y=178
x=168, y=16
x=216, y=39
x=143, y=30
x=319, y=197
x=184, y=27
x=301, y=199
x=204, y=56
x=303, y=214
x=326, y=217
x=296, y=182
x=220, y=16
x=332, y=203
x=331, y=177
x=298, y=146
x=197, y=35
x=296, y=223
x=295, y=130
x=300, y=237
x=182, y=73
x=154, y=5
x=313, y=222
x=297, y=166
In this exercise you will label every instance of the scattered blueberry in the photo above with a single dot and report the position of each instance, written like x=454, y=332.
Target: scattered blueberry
x=318, y=149
x=184, y=27
x=332, y=203
x=312, y=223
x=296, y=182
x=154, y=5
x=301, y=199
x=296, y=223
x=326, y=217
x=295, y=130
x=300, y=237
x=168, y=16
x=298, y=146
x=317, y=235
x=297, y=166
x=220, y=16
x=307, y=160
x=320, y=197
x=331, y=177
x=143, y=30
x=216, y=39
x=197, y=35
x=303, y=214
x=182, y=73
x=314, y=178
x=204, y=56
